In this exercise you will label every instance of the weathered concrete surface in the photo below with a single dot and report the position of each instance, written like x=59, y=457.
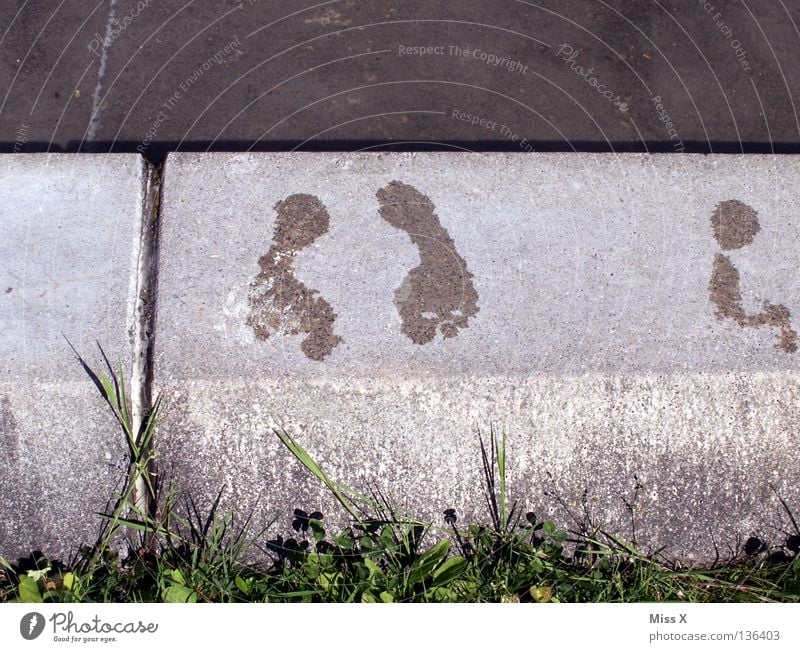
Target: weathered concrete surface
x=384, y=307
x=279, y=73
x=69, y=244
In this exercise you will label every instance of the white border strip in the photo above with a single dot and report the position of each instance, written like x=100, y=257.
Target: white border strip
x=335, y=627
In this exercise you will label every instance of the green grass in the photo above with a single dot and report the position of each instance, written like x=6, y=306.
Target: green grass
x=181, y=555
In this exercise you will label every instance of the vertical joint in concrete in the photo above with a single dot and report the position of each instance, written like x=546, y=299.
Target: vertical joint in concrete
x=141, y=374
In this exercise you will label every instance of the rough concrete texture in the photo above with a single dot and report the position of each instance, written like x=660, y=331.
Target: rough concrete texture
x=574, y=301
x=69, y=244
x=92, y=76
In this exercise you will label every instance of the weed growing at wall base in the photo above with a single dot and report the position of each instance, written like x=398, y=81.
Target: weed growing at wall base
x=184, y=555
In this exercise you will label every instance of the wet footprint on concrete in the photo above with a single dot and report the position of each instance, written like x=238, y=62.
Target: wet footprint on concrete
x=735, y=225
x=438, y=294
x=279, y=302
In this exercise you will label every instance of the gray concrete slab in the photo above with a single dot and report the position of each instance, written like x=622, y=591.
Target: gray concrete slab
x=630, y=321
x=562, y=74
x=69, y=244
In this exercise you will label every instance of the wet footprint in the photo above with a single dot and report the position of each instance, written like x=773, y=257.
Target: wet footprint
x=279, y=302
x=735, y=225
x=438, y=294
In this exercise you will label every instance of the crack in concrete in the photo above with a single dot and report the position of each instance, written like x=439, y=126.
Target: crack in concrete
x=144, y=318
x=94, y=119
x=144, y=307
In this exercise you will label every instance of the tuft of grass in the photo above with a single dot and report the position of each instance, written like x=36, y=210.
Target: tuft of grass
x=183, y=555
x=134, y=509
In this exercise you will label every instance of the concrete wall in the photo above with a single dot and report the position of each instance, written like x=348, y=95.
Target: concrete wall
x=69, y=244
x=629, y=321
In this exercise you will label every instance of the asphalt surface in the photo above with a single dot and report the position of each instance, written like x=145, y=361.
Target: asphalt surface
x=586, y=75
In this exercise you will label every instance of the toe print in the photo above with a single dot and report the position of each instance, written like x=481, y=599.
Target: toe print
x=279, y=302
x=438, y=295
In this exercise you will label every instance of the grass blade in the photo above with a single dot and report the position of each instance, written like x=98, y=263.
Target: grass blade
x=307, y=461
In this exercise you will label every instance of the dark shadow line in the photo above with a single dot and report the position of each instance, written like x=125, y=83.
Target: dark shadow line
x=156, y=152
